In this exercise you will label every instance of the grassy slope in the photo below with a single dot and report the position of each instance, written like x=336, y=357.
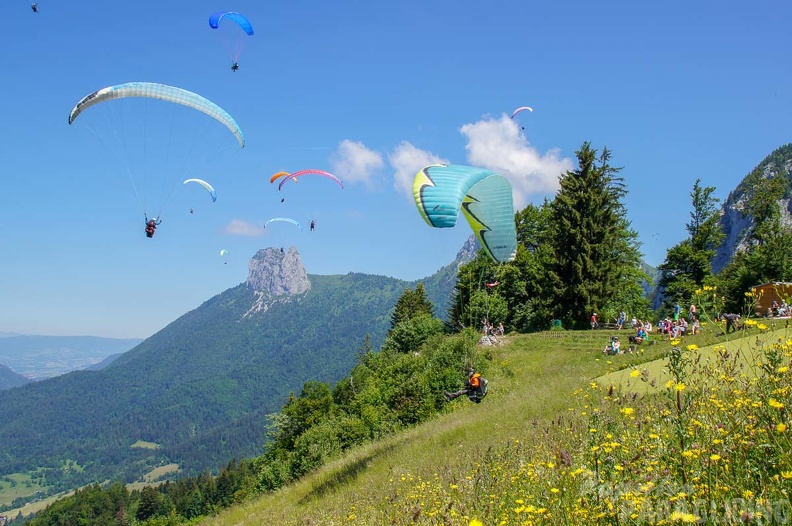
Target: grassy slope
x=530, y=388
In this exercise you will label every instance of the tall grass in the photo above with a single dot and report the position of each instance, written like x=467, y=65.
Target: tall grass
x=561, y=440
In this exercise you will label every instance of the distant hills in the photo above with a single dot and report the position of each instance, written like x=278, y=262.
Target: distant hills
x=39, y=357
x=9, y=378
x=202, y=388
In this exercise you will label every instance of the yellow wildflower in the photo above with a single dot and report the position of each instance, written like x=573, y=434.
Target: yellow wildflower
x=715, y=457
x=692, y=347
x=782, y=369
x=786, y=474
x=775, y=403
x=781, y=427
x=683, y=517
x=627, y=411
x=476, y=522
x=680, y=386
x=635, y=373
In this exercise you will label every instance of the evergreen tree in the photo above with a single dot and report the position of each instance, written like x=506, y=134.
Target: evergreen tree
x=595, y=252
x=411, y=304
x=688, y=265
x=149, y=504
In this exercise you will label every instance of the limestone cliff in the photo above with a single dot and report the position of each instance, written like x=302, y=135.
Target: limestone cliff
x=734, y=220
x=275, y=275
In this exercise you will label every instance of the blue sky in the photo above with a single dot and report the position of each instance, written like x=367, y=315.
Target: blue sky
x=370, y=91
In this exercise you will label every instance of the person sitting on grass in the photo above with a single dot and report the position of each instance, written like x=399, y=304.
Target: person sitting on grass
x=613, y=347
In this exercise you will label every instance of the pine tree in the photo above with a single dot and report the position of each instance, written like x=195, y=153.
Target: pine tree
x=688, y=265
x=595, y=252
x=411, y=304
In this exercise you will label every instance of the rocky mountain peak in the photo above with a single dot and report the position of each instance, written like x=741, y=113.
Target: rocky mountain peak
x=277, y=272
x=468, y=251
x=735, y=222
x=275, y=276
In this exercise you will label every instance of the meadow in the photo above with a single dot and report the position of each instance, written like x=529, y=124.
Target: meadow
x=564, y=437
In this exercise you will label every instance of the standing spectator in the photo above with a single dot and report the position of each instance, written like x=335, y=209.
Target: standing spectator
x=731, y=321
x=594, y=323
x=692, y=312
x=677, y=310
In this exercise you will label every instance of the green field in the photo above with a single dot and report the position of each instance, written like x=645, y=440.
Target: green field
x=15, y=486
x=529, y=453
x=145, y=445
x=568, y=435
x=25, y=487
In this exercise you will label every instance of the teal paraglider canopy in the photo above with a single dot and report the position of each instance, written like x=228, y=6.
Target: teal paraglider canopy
x=485, y=198
x=283, y=219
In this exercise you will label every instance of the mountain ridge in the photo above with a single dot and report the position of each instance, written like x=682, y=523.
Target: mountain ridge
x=202, y=387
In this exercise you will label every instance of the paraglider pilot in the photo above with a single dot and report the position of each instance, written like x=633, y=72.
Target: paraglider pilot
x=313, y=224
x=34, y=7
x=234, y=66
x=475, y=388
x=151, y=225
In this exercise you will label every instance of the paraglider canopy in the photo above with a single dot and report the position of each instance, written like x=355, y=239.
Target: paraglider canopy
x=238, y=19
x=162, y=92
x=283, y=219
x=205, y=185
x=521, y=109
x=300, y=173
x=485, y=198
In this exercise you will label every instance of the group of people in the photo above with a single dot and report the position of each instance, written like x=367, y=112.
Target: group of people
x=489, y=329
x=777, y=309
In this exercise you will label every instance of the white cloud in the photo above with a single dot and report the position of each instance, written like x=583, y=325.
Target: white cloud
x=406, y=160
x=353, y=162
x=499, y=145
x=238, y=227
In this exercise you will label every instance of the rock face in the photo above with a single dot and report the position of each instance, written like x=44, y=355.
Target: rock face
x=734, y=221
x=275, y=275
x=277, y=272
x=468, y=251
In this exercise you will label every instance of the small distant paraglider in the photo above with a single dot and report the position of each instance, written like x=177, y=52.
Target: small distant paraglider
x=237, y=39
x=224, y=253
x=206, y=185
x=284, y=220
x=34, y=7
x=520, y=110
x=300, y=173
